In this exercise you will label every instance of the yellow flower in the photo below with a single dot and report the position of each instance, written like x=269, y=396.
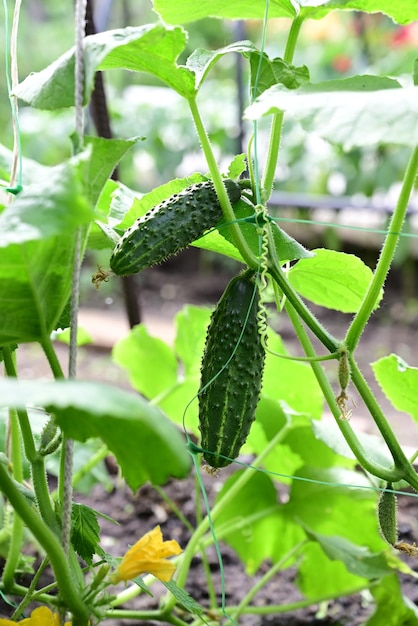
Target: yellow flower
x=42, y=616
x=148, y=554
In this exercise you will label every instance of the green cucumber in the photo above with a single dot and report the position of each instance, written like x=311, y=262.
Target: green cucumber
x=231, y=373
x=170, y=227
x=387, y=515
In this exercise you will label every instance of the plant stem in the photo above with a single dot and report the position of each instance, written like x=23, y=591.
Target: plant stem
x=225, y=203
x=277, y=123
x=71, y=594
x=373, y=467
x=402, y=464
x=300, y=307
x=386, y=256
x=27, y=599
x=156, y=616
x=40, y=484
x=16, y=539
x=265, y=579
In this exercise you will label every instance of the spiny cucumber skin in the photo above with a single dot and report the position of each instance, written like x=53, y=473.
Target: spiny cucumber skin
x=387, y=514
x=170, y=227
x=228, y=403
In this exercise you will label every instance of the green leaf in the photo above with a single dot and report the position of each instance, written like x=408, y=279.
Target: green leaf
x=85, y=532
x=152, y=48
x=354, y=112
x=392, y=607
x=287, y=248
x=140, y=206
x=35, y=282
x=185, y=600
x=147, y=446
x=291, y=382
x=402, y=11
x=251, y=521
x=237, y=166
x=266, y=72
x=201, y=61
x=334, y=579
x=54, y=205
x=358, y=560
x=191, y=324
x=399, y=381
x=184, y=11
x=150, y=363
x=335, y=280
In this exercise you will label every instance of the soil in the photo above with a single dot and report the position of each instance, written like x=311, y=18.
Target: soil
x=393, y=328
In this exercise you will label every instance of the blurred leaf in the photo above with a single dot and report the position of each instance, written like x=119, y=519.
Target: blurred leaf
x=392, y=607
x=191, y=325
x=257, y=513
x=53, y=206
x=85, y=531
x=354, y=112
x=402, y=11
x=399, y=381
x=149, y=362
x=152, y=48
x=35, y=282
x=320, y=577
x=335, y=280
x=83, y=338
x=145, y=443
x=184, y=11
x=291, y=382
x=358, y=559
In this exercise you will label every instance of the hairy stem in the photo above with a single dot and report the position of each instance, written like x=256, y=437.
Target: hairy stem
x=386, y=256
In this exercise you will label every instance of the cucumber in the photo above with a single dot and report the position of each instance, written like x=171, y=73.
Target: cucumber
x=387, y=515
x=231, y=373
x=170, y=227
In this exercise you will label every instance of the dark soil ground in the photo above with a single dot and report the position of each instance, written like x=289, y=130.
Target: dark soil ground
x=393, y=328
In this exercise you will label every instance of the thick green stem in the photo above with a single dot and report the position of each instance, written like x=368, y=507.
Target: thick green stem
x=370, y=465
x=300, y=307
x=70, y=593
x=277, y=123
x=402, y=464
x=225, y=203
x=386, y=256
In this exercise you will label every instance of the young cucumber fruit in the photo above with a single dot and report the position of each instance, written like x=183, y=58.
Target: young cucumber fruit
x=170, y=227
x=232, y=371
x=387, y=515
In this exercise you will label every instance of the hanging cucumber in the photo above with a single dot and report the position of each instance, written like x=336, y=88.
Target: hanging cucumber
x=232, y=371
x=170, y=227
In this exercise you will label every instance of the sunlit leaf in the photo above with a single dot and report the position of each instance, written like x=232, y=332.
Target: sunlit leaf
x=147, y=446
x=183, y=11
x=402, y=11
x=392, y=606
x=335, y=280
x=399, y=381
x=354, y=112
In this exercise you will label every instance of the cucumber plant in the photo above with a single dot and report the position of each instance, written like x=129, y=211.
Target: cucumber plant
x=67, y=209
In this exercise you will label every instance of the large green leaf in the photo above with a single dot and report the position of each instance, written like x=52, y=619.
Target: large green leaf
x=354, y=112
x=183, y=11
x=35, y=282
x=54, y=205
x=392, y=606
x=399, y=381
x=145, y=443
x=335, y=280
x=358, y=560
x=402, y=11
x=152, y=48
